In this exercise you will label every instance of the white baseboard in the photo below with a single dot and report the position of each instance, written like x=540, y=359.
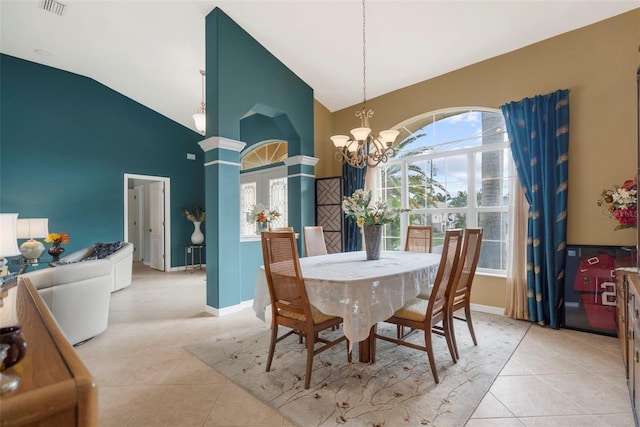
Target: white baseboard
x=182, y=268
x=488, y=309
x=219, y=312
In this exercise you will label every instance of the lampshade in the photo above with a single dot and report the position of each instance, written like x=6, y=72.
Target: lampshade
x=360, y=134
x=33, y=228
x=8, y=238
x=388, y=136
x=30, y=228
x=201, y=122
x=340, y=140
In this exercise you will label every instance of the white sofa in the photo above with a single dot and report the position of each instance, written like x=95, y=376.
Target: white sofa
x=121, y=260
x=78, y=292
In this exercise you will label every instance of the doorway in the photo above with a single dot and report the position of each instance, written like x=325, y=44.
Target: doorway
x=147, y=219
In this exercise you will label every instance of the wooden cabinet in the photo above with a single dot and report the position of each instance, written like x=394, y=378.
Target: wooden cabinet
x=628, y=307
x=56, y=389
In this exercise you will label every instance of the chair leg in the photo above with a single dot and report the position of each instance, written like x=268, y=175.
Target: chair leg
x=348, y=352
x=467, y=313
x=449, y=336
x=453, y=335
x=432, y=362
x=307, y=377
x=272, y=344
x=400, y=331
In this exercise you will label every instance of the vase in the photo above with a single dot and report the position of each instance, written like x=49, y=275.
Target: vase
x=262, y=226
x=55, y=251
x=197, y=237
x=373, y=241
x=12, y=336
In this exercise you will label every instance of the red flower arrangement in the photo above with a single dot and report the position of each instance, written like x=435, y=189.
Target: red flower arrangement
x=622, y=203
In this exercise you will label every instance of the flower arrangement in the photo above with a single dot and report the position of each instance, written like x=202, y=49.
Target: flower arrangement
x=57, y=238
x=622, y=203
x=261, y=213
x=357, y=207
x=196, y=214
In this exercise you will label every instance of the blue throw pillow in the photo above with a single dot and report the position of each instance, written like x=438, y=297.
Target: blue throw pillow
x=103, y=250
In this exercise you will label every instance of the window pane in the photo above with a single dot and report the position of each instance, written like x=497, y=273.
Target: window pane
x=494, y=240
x=391, y=240
x=492, y=178
x=248, y=193
x=278, y=200
x=264, y=155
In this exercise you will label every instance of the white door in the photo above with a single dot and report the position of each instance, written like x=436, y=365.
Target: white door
x=156, y=225
x=132, y=216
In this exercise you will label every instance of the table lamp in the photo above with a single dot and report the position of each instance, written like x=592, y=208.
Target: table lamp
x=32, y=228
x=8, y=239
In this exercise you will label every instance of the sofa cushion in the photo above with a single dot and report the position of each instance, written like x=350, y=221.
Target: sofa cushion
x=103, y=250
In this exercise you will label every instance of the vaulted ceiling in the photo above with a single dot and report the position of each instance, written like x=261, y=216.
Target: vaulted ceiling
x=152, y=51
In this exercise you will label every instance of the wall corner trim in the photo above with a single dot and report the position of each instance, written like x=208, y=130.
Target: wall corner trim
x=301, y=160
x=219, y=142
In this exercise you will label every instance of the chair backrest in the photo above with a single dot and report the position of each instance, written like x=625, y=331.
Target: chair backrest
x=281, y=229
x=282, y=269
x=314, y=240
x=468, y=262
x=445, y=278
x=419, y=238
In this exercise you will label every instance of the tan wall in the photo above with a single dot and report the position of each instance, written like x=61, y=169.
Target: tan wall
x=598, y=64
x=327, y=166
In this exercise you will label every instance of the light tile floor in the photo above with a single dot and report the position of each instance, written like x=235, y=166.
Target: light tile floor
x=146, y=378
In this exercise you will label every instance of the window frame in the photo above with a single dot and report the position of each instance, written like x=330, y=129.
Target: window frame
x=472, y=210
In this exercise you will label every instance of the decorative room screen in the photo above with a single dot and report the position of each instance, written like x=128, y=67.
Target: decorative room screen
x=329, y=211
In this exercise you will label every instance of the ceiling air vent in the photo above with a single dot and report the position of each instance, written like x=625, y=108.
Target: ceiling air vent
x=53, y=6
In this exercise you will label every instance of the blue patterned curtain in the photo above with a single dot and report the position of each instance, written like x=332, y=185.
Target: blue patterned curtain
x=353, y=180
x=538, y=131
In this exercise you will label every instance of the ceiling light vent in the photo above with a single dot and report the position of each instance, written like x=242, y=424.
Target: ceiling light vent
x=53, y=6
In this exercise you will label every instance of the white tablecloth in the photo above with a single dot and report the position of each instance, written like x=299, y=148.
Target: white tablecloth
x=361, y=292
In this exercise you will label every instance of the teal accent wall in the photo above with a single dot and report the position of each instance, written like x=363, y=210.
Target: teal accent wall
x=66, y=142
x=243, y=76
x=251, y=97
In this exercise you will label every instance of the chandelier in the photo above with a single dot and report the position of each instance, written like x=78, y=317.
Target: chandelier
x=363, y=149
x=200, y=117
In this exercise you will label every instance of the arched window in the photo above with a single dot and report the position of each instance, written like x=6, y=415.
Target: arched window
x=263, y=179
x=453, y=168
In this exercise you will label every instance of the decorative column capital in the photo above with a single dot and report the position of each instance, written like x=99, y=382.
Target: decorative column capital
x=219, y=142
x=301, y=160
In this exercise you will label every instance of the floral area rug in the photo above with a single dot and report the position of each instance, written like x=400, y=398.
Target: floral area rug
x=398, y=389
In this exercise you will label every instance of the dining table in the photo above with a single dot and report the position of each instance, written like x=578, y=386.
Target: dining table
x=363, y=292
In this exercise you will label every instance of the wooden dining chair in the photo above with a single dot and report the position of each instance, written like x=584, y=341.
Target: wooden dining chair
x=281, y=229
x=426, y=315
x=290, y=305
x=419, y=238
x=460, y=296
x=314, y=240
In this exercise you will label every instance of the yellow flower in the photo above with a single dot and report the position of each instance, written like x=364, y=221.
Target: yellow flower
x=57, y=238
x=360, y=221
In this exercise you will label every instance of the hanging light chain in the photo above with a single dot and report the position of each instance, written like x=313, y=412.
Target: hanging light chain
x=202, y=72
x=364, y=54
x=368, y=150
